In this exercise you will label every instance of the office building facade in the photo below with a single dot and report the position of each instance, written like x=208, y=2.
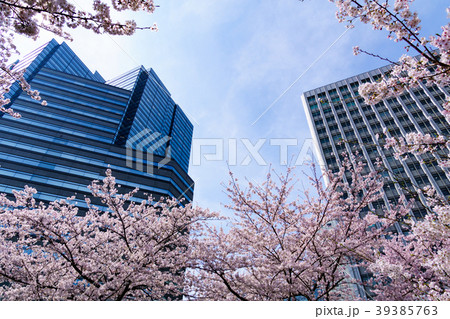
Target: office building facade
x=340, y=122
x=130, y=125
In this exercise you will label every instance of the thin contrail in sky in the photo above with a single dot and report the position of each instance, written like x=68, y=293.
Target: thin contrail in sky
x=301, y=75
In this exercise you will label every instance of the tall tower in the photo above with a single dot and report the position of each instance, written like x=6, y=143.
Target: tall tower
x=337, y=113
x=129, y=124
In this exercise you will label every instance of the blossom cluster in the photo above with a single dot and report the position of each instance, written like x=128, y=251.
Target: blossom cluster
x=130, y=251
x=418, y=143
x=282, y=248
x=415, y=266
x=433, y=65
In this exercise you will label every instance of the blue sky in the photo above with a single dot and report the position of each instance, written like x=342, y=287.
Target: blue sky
x=226, y=61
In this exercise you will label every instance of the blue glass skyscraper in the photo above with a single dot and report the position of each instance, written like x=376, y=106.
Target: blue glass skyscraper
x=87, y=126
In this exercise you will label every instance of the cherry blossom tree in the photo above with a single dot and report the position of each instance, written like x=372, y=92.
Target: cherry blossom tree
x=29, y=17
x=403, y=25
x=418, y=144
x=279, y=248
x=129, y=251
x=276, y=248
x=416, y=266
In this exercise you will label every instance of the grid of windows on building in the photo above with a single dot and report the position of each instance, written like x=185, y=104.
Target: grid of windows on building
x=341, y=123
x=84, y=128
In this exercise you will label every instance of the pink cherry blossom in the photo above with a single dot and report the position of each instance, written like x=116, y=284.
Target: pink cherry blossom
x=403, y=25
x=415, y=266
x=278, y=247
x=131, y=251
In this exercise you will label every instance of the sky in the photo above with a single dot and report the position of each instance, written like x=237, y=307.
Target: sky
x=238, y=68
